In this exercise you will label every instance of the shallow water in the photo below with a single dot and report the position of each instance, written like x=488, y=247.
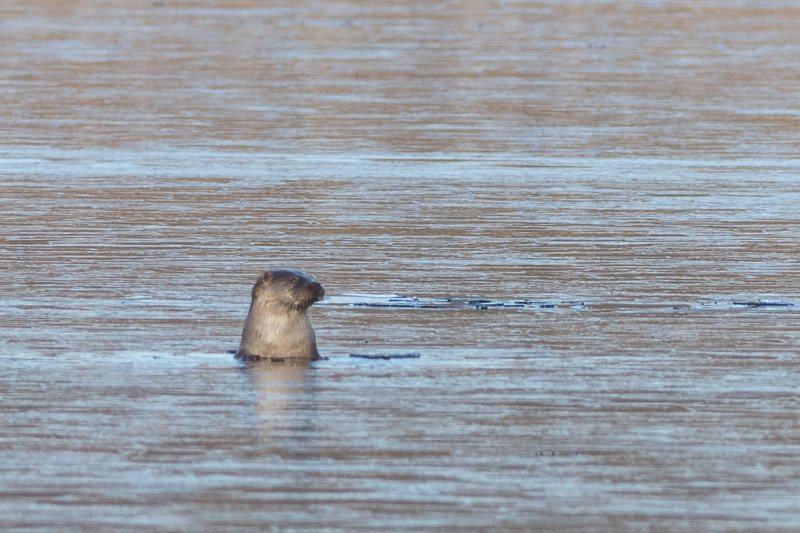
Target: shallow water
x=628, y=169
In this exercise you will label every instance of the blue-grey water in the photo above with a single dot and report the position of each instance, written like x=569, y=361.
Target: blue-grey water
x=628, y=169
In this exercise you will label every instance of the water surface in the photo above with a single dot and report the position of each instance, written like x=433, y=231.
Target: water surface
x=628, y=166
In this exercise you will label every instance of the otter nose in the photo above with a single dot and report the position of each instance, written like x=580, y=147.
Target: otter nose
x=319, y=290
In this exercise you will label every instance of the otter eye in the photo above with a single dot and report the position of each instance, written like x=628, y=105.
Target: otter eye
x=294, y=282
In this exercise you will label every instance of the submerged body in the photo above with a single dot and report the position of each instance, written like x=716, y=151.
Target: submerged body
x=277, y=326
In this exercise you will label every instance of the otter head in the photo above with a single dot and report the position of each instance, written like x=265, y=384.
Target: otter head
x=289, y=289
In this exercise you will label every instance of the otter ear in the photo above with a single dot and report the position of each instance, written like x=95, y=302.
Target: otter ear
x=262, y=280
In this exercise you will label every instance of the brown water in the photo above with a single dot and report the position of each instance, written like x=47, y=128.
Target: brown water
x=630, y=166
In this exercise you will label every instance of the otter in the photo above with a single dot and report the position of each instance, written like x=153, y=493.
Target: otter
x=277, y=327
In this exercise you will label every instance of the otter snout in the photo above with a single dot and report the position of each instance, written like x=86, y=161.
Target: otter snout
x=317, y=291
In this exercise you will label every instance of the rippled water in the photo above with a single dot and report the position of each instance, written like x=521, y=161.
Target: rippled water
x=629, y=169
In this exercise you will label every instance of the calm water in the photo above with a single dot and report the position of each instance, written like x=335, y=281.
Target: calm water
x=631, y=166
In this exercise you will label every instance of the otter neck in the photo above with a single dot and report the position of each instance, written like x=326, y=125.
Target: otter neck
x=276, y=330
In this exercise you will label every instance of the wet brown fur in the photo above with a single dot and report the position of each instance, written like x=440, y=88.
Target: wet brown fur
x=277, y=326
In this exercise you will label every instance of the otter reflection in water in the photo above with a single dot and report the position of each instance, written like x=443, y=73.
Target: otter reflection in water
x=285, y=406
x=277, y=326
